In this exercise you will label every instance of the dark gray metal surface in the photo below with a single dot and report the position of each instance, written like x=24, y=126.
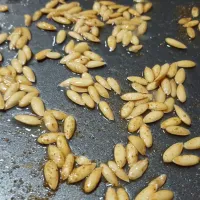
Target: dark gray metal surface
x=22, y=159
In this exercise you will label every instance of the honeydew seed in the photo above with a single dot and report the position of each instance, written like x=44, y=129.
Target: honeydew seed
x=186, y=160
x=175, y=43
x=193, y=143
x=106, y=110
x=182, y=115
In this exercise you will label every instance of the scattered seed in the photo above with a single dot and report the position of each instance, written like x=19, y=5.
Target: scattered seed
x=178, y=130
x=13, y=88
x=28, y=119
x=138, y=144
x=127, y=109
x=192, y=144
x=37, y=106
x=106, y=110
x=69, y=127
x=183, y=21
x=134, y=124
x=3, y=37
x=195, y=11
x=46, y=26
x=69, y=47
x=173, y=88
x=36, y=15
x=159, y=181
x=153, y=116
x=50, y=121
x=27, y=20
x=111, y=41
x=75, y=97
x=120, y=155
x=88, y=100
x=163, y=194
x=137, y=79
x=191, y=23
x=191, y=32
x=186, y=160
x=135, y=48
x=29, y=74
x=17, y=65
x=42, y=54
x=160, y=96
x=111, y=194
x=81, y=47
x=76, y=67
x=61, y=36
x=48, y=138
x=138, y=110
x=146, y=135
x=101, y=90
x=135, y=96
x=94, y=94
x=175, y=43
x=182, y=115
x=63, y=145
x=186, y=63
x=181, y=94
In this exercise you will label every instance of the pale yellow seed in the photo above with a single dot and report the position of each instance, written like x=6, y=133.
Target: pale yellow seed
x=126, y=40
x=111, y=41
x=2, y=103
x=156, y=70
x=10, y=91
x=82, y=59
x=160, y=96
x=109, y=175
x=3, y=37
x=23, y=80
x=147, y=7
x=182, y=115
x=27, y=51
x=135, y=48
x=51, y=174
x=75, y=97
x=36, y=15
x=116, y=30
x=153, y=116
x=14, y=99
x=26, y=100
x=166, y=86
x=17, y=65
x=186, y=160
x=178, y=130
x=114, y=85
x=120, y=155
x=69, y=47
x=89, y=102
x=138, y=143
x=138, y=169
x=28, y=119
x=46, y=26
x=95, y=64
x=103, y=82
x=157, y=106
x=148, y=74
x=13, y=41
x=27, y=20
x=3, y=8
x=21, y=42
x=111, y=194
x=29, y=74
x=131, y=154
x=134, y=12
x=50, y=121
x=61, y=36
x=180, y=76
x=21, y=57
x=134, y=124
x=101, y=90
x=42, y=54
x=27, y=88
x=195, y=11
x=173, y=121
x=63, y=145
x=146, y=135
x=142, y=28
x=59, y=115
x=76, y=67
x=137, y=79
x=162, y=195
x=185, y=20
x=82, y=160
x=48, y=138
x=193, y=143
x=81, y=47
x=163, y=72
x=159, y=181
x=173, y=87
x=69, y=127
x=70, y=57
x=170, y=105
x=181, y=93
x=172, y=152
x=52, y=4
x=26, y=32
x=172, y=70
x=81, y=82
x=138, y=110
x=120, y=35
x=127, y=109
x=192, y=23
x=106, y=110
x=186, y=63
x=191, y=32
x=132, y=96
x=94, y=94
x=135, y=40
x=78, y=89
x=90, y=37
x=61, y=20
x=93, y=56
x=122, y=194
x=175, y=43
x=53, y=55
x=37, y=106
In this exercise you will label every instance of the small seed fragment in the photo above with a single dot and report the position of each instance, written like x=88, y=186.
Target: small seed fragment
x=36, y=15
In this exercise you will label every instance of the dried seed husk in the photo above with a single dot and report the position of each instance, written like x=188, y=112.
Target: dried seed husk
x=29, y=74
x=173, y=121
x=157, y=106
x=70, y=57
x=50, y=121
x=191, y=23
x=173, y=88
x=36, y=15
x=94, y=94
x=186, y=160
x=14, y=99
x=109, y=175
x=191, y=32
x=192, y=144
x=127, y=109
x=132, y=96
x=37, y=106
x=67, y=166
x=51, y=174
x=28, y=119
x=63, y=145
x=178, y=130
x=48, y=138
x=175, y=43
x=160, y=96
x=56, y=155
x=93, y=56
x=76, y=67
x=78, y=89
x=119, y=172
x=82, y=160
x=163, y=195
x=120, y=155
x=170, y=105
x=114, y=85
x=42, y=54
x=61, y=20
x=26, y=100
x=138, y=144
x=103, y=82
x=21, y=57
x=27, y=88
x=185, y=20
x=153, y=116
x=2, y=103
x=135, y=48
x=138, y=110
x=195, y=11
x=21, y=42
x=69, y=126
x=181, y=93
x=17, y=65
x=186, y=63
x=92, y=181
x=182, y=115
x=61, y=36
x=89, y=102
x=80, y=173
x=159, y=181
x=146, y=135
x=95, y=64
x=69, y=46
x=3, y=37
x=134, y=124
x=166, y=86
x=148, y=74
x=180, y=76
x=75, y=97
x=23, y=80
x=27, y=20
x=137, y=79
x=101, y=90
x=13, y=88
x=147, y=7
x=111, y=194
x=106, y=110
x=138, y=169
x=163, y=72
x=46, y=26
x=172, y=70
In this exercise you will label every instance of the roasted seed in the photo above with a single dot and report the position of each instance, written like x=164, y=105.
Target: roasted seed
x=127, y=109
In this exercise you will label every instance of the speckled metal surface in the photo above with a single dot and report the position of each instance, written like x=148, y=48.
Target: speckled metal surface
x=22, y=159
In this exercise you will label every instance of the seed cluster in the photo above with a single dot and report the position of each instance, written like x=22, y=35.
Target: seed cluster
x=153, y=96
